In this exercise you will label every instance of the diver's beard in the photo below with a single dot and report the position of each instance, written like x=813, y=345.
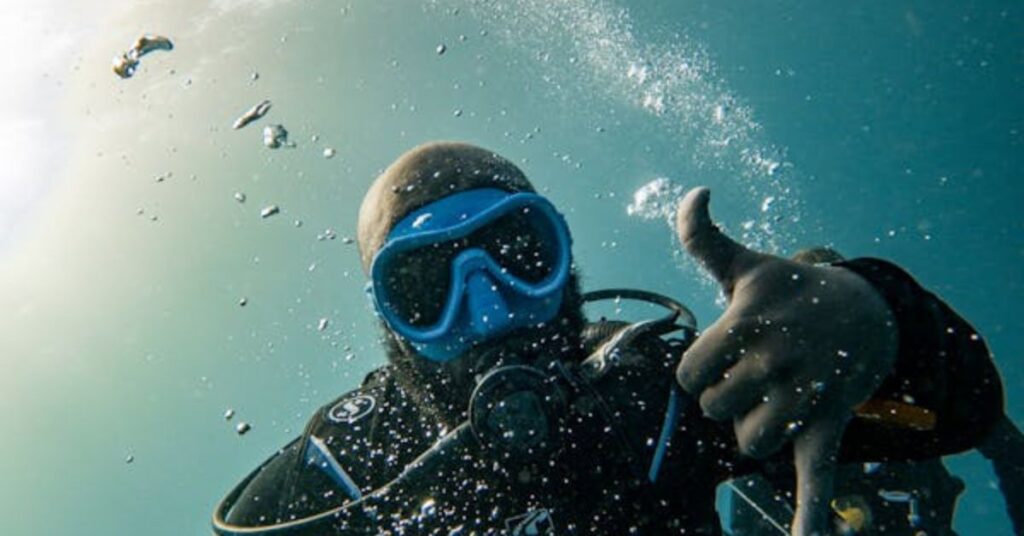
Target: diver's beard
x=442, y=390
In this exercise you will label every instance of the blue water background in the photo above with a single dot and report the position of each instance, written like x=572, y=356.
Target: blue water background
x=888, y=129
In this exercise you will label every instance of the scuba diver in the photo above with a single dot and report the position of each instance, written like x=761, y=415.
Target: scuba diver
x=503, y=410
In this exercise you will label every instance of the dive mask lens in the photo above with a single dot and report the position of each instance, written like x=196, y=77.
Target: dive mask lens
x=522, y=244
x=421, y=274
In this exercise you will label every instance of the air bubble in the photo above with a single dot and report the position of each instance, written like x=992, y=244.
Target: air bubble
x=252, y=114
x=269, y=210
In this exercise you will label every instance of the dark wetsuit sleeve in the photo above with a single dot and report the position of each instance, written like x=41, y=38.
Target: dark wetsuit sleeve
x=943, y=367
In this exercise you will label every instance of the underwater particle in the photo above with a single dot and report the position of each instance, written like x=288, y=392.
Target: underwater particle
x=322, y=325
x=129, y=458
x=766, y=205
x=242, y=428
x=329, y=152
x=242, y=302
x=347, y=240
x=150, y=43
x=229, y=414
x=457, y=112
x=718, y=114
x=269, y=211
x=276, y=136
x=656, y=199
x=240, y=197
x=254, y=76
x=421, y=219
x=127, y=63
x=252, y=114
x=441, y=49
x=428, y=508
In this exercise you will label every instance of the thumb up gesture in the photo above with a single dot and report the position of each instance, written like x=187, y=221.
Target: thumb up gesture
x=797, y=348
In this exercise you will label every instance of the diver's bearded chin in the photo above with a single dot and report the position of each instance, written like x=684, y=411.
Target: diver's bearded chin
x=528, y=346
x=444, y=389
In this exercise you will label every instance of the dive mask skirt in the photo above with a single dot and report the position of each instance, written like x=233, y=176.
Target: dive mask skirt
x=469, y=267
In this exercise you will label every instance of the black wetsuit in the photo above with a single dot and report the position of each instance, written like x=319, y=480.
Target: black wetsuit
x=597, y=484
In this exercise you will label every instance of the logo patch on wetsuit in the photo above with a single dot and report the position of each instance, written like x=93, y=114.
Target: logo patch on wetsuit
x=532, y=523
x=352, y=409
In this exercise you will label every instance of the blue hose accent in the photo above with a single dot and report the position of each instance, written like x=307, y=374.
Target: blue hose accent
x=318, y=453
x=668, y=427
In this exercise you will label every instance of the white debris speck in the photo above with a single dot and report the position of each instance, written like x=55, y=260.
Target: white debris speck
x=242, y=428
x=767, y=203
x=421, y=219
x=257, y=111
x=347, y=240
x=254, y=76
x=129, y=458
x=428, y=508
x=126, y=64
x=240, y=197
x=718, y=114
x=322, y=325
x=654, y=102
x=638, y=73
x=457, y=113
x=656, y=200
x=441, y=49
x=269, y=211
x=276, y=136
x=229, y=414
x=242, y=302
x=329, y=152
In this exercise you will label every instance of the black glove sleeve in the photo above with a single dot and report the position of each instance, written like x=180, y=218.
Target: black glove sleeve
x=943, y=372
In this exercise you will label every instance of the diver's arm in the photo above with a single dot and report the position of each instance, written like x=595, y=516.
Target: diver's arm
x=944, y=394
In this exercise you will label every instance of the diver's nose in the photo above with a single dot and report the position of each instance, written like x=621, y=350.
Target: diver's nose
x=488, y=311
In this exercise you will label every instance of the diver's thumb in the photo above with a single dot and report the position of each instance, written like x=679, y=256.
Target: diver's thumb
x=814, y=456
x=726, y=259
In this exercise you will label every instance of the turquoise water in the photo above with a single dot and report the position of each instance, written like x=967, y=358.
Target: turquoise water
x=887, y=129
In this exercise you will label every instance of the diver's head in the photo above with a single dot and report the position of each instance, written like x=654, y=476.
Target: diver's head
x=469, y=268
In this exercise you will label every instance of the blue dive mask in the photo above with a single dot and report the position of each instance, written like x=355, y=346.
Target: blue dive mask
x=470, y=267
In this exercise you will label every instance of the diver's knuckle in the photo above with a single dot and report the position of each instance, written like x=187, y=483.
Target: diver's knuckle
x=710, y=403
x=773, y=364
x=685, y=375
x=746, y=444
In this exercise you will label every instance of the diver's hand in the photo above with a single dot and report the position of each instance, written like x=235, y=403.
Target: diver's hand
x=797, y=348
